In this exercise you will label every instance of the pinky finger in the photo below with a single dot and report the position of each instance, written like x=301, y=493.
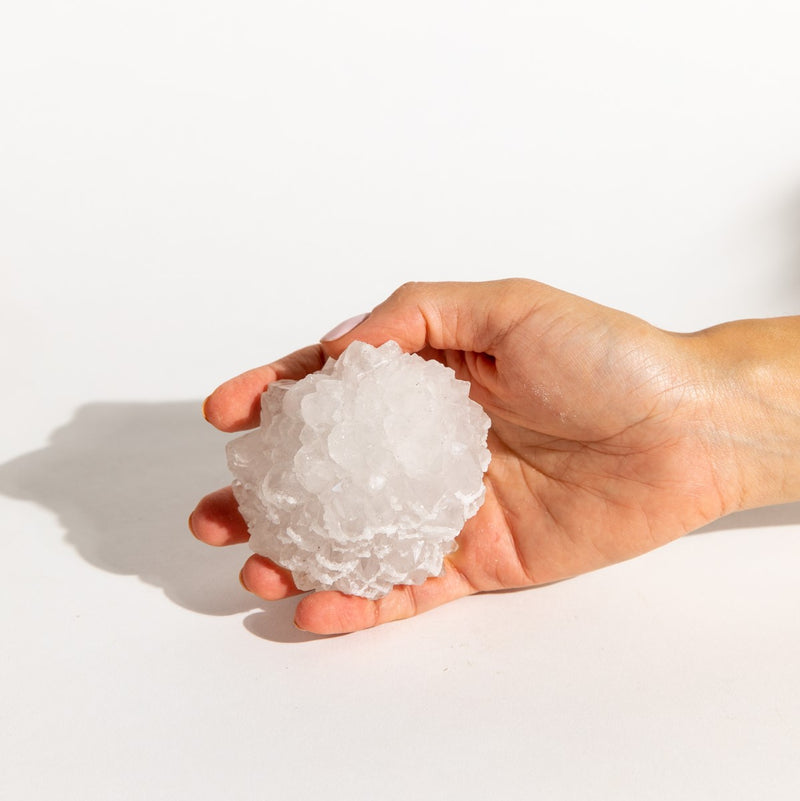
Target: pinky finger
x=267, y=580
x=331, y=612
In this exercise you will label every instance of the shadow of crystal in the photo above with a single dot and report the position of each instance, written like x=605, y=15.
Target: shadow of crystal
x=122, y=479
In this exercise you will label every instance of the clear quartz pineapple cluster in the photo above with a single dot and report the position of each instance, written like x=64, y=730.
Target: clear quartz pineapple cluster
x=361, y=475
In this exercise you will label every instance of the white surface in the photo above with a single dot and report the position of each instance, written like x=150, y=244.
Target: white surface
x=189, y=189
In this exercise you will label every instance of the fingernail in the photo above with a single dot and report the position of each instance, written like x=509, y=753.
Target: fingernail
x=344, y=328
x=241, y=580
x=190, y=524
x=204, y=407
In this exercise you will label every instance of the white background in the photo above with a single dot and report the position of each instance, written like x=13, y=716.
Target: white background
x=188, y=189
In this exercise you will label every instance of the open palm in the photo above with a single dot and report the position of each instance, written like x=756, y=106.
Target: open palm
x=597, y=441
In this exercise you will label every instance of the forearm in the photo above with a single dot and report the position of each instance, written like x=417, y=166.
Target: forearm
x=751, y=388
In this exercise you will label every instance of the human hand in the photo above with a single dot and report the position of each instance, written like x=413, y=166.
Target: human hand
x=609, y=437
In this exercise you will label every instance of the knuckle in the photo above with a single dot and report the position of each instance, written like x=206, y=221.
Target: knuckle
x=407, y=290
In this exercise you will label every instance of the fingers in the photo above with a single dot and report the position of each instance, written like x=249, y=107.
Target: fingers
x=236, y=404
x=330, y=612
x=421, y=317
x=335, y=613
x=264, y=578
x=216, y=519
x=446, y=316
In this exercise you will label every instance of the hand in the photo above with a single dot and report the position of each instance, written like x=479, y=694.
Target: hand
x=609, y=437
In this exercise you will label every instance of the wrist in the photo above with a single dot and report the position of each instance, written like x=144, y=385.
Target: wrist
x=749, y=387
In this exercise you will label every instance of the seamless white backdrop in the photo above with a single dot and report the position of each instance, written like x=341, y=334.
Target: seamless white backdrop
x=190, y=189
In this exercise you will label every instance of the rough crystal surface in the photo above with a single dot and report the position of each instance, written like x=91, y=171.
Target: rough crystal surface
x=361, y=475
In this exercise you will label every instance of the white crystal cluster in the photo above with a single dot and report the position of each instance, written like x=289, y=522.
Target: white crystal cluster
x=362, y=474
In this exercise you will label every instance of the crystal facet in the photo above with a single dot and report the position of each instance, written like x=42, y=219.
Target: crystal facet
x=362, y=475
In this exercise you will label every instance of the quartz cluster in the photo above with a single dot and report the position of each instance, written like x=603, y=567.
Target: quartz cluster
x=361, y=475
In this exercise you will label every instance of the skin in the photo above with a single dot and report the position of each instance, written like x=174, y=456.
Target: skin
x=609, y=437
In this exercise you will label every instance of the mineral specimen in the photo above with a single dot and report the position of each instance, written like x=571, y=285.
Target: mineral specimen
x=361, y=475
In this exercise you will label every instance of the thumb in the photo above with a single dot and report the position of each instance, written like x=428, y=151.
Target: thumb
x=445, y=316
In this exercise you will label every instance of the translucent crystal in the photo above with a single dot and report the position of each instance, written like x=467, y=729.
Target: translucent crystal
x=362, y=475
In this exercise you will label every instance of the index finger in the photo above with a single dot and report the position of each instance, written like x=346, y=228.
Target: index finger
x=236, y=404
